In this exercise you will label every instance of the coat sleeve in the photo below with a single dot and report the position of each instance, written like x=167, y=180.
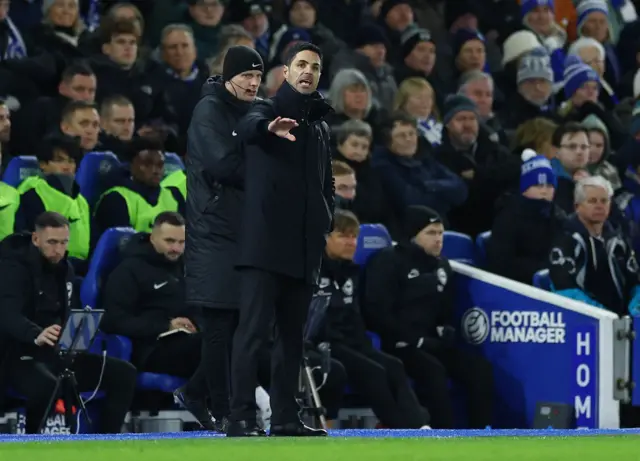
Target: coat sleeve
x=253, y=128
x=563, y=270
x=329, y=186
x=122, y=316
x=381, y=293
x=15, y=284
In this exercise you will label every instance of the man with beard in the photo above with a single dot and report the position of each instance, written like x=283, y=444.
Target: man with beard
x=288, y=211
x=215, y=199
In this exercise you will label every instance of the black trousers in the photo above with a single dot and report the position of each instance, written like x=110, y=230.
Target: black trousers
x=331, y=394
x=381, y=380
x=36, y=381
x=266, y=296
x=431, y=372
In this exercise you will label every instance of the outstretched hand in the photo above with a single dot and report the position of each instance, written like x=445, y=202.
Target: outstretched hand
x=282, y=127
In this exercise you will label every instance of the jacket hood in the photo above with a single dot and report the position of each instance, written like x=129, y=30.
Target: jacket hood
x=593, y=122
x=139, y=246
x=17, y=246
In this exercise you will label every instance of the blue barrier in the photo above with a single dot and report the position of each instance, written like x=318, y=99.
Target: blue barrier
x=635, y=363
x=544, y=348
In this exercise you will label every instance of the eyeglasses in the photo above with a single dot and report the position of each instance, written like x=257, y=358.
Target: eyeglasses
x=574, y=147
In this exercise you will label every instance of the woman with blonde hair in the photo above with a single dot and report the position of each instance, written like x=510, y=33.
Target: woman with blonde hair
x=416, y=97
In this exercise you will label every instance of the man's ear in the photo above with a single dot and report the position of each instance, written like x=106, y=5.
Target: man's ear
x=285, y=71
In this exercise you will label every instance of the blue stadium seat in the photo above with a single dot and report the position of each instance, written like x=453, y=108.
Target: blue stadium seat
x=481, y=247
x=172, y=163
x=459, y=247
x=95, y=174
x=372, y=238
x=105, y=258
x=542, y=280
x=20, y=168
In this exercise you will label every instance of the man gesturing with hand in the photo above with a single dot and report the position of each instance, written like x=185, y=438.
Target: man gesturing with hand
x=288, y=211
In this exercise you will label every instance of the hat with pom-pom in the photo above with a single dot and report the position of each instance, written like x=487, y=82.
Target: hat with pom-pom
x=536, y=170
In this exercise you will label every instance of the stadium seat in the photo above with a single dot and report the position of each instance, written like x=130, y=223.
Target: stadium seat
x=20, y=168
x=481, y=247
x=459, y=247
x=372, y=237
x=105, y=258
x=542, y=280
x=95, y=174
x=172, y=163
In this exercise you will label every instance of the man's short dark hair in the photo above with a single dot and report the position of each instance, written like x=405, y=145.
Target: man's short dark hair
x=396, y=118
x=68, y=144
x=570, y=128
x=74, y=106
x=76, y=68
x=50, y=219
x=119, y=27
x=298, y=48
x=345, y=221
x=172, y=218
x=142, y=143
x=113, y=100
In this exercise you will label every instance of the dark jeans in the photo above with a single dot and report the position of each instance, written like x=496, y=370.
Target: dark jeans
x=431, y=372
x=36, y=381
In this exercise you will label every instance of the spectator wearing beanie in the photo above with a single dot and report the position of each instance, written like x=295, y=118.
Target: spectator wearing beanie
x=591, y=52
x=286, y=40
x=396, y=16
x=581, y=90
x=469, y=51
x=515, y=46
x=369, y=57
x=411, y=178
x=593, y=22
x=303, y=14
x=524, y=228
x=534, y=96
x=539, y=17
x=253, y=15
x=487, y=168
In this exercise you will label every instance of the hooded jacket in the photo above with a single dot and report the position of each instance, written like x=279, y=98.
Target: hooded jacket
x=602, y=167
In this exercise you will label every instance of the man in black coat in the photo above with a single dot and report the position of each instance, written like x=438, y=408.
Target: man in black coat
x=215, y=199
x=36, y=289
x=288, y=211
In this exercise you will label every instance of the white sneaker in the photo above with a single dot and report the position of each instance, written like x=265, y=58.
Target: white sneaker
x=425, y=427
x=263, y=403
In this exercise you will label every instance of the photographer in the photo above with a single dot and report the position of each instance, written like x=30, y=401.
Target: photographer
x=36, y=288
x=409, y=303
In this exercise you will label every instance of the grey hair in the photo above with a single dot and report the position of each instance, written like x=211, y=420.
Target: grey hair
x=473, y=76
x=587, y=42
x=173, y=28
x=579, y=193
x=353, y=127
x=343, y=79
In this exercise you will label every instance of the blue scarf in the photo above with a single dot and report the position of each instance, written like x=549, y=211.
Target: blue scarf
x=92, y=18
x=16, y=48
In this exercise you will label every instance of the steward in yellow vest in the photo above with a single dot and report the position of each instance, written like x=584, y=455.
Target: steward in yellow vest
x=177, y=180
x=137, y=200
x=56, y=190
x=9, y=201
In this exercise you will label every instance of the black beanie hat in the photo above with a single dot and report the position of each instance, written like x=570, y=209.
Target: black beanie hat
x=455, y=103
x=370, y=34
x=387, y=5
x=417, y=217
x=240, y=59
x=411, y=37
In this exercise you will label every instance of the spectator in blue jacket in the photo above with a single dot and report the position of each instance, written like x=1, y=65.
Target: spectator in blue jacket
x=412, y=177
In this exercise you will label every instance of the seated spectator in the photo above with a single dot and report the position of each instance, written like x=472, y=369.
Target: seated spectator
x=412, y=178
x=230, y=35
x=590, y=261
x=14, y=46
x=592, y=53
x=254, y=17
x=416, y=97
x=56, y=190
x=91, y=43
x=117, y=123
x=80, y=119
x=144, y=301
x=478, y=86
x=395, y=17
x=205, y=18
x=525, y=227
x=36, y=289
x=409, y=291
x=369, y=55
x=9, y=201
x=571, y=158
x=582, y=90
x=344, y=179
x=371, y=203
x=517, y=45
x=42, y=116
x=378, y=377
x=536, y=134
x=351, y=98
x=486, y=167
x=600, y=151
x=136, y=201
x=534, y=95
x=469, y=51
x=418, y=59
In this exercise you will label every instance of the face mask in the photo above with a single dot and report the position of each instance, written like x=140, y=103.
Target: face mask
x=343, y=203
